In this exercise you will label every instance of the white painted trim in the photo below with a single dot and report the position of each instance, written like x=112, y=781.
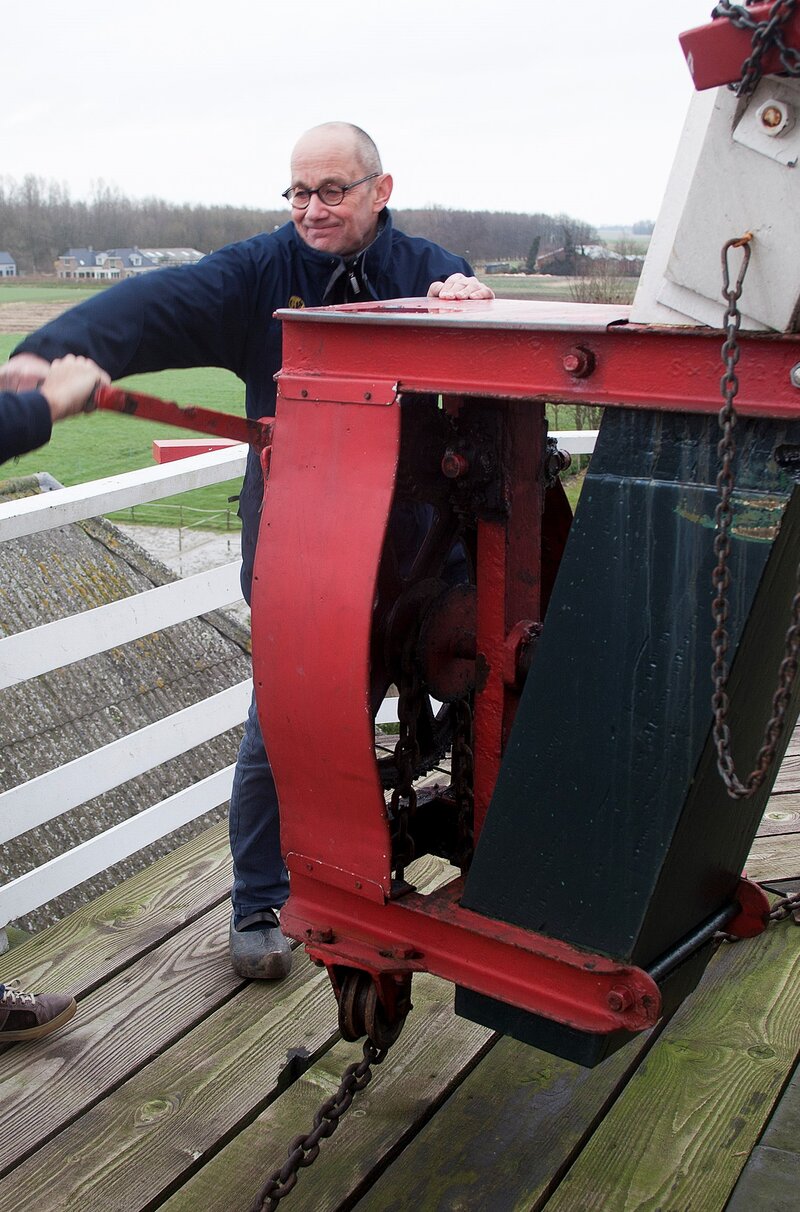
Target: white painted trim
x=41, y=885
x=49, y=509
x=49, y=795
x=54, y=645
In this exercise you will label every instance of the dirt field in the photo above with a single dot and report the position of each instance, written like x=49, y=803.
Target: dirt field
x=25, y=317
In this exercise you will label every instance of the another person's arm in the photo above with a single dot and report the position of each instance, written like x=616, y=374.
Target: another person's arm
x=27, y=417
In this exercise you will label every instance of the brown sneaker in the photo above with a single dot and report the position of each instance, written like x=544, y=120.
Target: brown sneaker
x=32, y=1015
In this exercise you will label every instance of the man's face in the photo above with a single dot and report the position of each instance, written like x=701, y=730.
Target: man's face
x=347, y=228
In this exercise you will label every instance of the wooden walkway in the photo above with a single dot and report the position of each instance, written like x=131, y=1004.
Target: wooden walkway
x=178, y=1086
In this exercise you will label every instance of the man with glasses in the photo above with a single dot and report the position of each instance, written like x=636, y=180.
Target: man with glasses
x=339, y=247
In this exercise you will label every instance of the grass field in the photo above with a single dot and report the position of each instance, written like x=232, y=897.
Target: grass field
x=551, y=288
x=104, y=444
x=24, y=292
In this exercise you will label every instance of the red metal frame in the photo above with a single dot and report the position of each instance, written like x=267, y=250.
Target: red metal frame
x=501, y=348
x=315, y=582
x=715, y=53
x=331, y=472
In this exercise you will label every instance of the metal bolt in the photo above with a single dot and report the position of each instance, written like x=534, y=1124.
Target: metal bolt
x=303, y=393
x=775, y=117
x=367, y=395
x=578, y=362
x=794, y=375
x=619, y=999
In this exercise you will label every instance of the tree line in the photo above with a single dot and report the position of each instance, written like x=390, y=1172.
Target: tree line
x=39, y=221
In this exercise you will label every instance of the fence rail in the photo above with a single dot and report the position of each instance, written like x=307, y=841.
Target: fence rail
x=54, y=645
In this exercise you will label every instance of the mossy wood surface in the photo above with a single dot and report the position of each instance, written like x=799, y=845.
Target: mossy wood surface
x=179, y=1086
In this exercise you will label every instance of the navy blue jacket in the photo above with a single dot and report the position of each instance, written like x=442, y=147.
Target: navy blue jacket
x=24, y=423
x=220, y=313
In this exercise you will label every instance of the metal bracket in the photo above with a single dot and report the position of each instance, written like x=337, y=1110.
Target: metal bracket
x=319, y=390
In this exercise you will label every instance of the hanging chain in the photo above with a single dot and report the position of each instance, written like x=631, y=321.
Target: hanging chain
x=461, y=779
x=304, y=1149
x=403, y=803
x=721, y=578
x=765, y=35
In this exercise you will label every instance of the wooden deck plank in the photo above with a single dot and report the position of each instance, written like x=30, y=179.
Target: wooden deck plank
x=132, y=1096
x=788, y=777
x=104, y=936
x=156, y=1129
x=770, y=1182
x=121, y=1026
x=433, y=1054
x=782, y=815
x=774, y=858
x=690, y=1117
x=504, y=1134
x=772, y=1174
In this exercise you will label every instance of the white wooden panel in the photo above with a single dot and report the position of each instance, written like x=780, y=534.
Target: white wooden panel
x=82, y=635
x=576, y=441
x=37, y=887
x=51, y=794
x=63, y=505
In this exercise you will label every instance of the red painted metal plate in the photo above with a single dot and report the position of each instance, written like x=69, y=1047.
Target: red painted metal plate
x=326, y=505
x=715, y=53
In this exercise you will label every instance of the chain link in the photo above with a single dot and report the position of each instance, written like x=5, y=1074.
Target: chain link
x=304, y=1149
x=721, y=578
x=765, y=35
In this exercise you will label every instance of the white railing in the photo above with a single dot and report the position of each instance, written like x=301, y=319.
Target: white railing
x=57, y=644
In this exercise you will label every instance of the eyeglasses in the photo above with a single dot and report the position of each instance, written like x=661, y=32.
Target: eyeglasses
x=329, y=193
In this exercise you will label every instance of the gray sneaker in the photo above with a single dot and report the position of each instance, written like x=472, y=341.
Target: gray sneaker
x=28, y=1016
x=258, y=947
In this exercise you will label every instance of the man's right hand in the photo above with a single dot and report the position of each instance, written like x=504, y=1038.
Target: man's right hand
x=24, y=372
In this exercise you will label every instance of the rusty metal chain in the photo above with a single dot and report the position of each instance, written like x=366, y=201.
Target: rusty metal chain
x=721, y=578
x=765, y=35
x=304, y=1149
x=406, y=755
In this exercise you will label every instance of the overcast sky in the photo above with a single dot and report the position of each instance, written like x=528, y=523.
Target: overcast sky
x=569, y=106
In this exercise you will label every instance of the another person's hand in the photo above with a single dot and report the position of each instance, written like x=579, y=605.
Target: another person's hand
x=68, y=384
x=459, y=286
x=23, y=372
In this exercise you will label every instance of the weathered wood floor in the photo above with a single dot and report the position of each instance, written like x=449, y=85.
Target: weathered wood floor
x=178, y=1086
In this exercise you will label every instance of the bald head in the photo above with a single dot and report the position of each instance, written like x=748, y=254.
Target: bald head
x=341, y=154
x=341, y=137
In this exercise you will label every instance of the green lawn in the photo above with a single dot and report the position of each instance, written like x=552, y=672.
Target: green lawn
x=104, y=444
x=545, y=288
x=25, y=292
